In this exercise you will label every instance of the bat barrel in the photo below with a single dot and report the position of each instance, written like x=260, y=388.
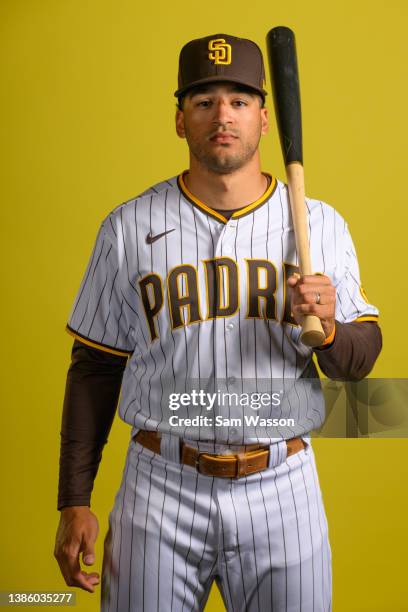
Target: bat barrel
x=286, y=91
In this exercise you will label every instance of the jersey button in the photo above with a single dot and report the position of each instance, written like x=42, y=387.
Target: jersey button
x=231, y=380
x=230, y=326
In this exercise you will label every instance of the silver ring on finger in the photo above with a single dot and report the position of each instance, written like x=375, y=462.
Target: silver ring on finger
x=317, y=298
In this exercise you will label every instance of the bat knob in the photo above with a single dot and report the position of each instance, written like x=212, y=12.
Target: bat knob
x=312, y=332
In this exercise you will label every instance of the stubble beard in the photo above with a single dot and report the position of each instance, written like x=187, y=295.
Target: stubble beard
x=222, y=163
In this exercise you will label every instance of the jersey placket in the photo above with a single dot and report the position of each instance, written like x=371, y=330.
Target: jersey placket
x=226, y=329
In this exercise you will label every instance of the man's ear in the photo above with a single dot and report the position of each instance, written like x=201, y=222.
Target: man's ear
x=180, y=124
x=264, y=120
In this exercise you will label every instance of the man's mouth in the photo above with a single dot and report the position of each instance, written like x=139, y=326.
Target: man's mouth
x=223, y=138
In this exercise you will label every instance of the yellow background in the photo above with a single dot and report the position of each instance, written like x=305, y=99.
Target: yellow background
x=86, y=123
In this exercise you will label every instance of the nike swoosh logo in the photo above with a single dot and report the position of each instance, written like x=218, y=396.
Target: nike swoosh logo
x=150, y=239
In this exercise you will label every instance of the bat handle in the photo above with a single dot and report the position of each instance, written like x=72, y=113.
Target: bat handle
x=312, y=332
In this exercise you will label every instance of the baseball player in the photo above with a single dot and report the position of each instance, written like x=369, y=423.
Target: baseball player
x=192, y=291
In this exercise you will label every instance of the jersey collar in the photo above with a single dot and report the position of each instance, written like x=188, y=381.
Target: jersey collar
x=215, y=214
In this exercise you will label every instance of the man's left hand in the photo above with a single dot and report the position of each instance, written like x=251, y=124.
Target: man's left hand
x=314, y=295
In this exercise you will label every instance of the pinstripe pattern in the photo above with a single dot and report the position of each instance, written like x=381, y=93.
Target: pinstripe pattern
x=172, y=532
x=108, y=309
x=263, y=538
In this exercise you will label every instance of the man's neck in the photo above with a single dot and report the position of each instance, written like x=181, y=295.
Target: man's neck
x=226, y=191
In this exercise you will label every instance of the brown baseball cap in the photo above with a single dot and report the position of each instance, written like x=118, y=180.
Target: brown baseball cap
x=221, y=57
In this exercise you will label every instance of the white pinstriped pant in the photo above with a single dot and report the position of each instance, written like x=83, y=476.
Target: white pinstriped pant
x=172, y=531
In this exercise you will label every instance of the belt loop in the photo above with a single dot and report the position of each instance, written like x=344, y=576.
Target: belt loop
x=277, y=453
x=242, y=463
x=308, y=441
x=170, y=447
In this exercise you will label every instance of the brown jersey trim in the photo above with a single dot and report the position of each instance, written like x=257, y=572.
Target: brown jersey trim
x=196, y=202
x=93, y=344
x=260, y=201
x=241, y=212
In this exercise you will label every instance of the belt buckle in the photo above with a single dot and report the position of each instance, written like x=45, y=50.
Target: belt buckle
x=243, y=462
x=197, y=466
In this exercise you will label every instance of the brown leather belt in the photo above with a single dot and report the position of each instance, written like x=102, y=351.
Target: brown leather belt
x=221, y=466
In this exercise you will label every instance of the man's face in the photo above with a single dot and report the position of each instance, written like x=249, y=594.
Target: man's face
x=222, y=125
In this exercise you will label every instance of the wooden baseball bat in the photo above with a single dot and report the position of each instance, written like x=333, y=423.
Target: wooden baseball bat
x=286, y=94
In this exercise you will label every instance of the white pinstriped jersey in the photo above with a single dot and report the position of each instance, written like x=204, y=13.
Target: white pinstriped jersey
x=190, y=295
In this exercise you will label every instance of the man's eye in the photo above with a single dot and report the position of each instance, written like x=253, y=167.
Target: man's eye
x=204, y=103
x=240, y=103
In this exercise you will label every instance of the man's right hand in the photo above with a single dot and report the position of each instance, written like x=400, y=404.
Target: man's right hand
x=77, y=532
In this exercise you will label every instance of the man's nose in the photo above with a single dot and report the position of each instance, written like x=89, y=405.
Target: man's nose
x=222, y=112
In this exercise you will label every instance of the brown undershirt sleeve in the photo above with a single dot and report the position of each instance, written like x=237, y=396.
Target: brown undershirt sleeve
x=91, y=396
x=352, y=354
